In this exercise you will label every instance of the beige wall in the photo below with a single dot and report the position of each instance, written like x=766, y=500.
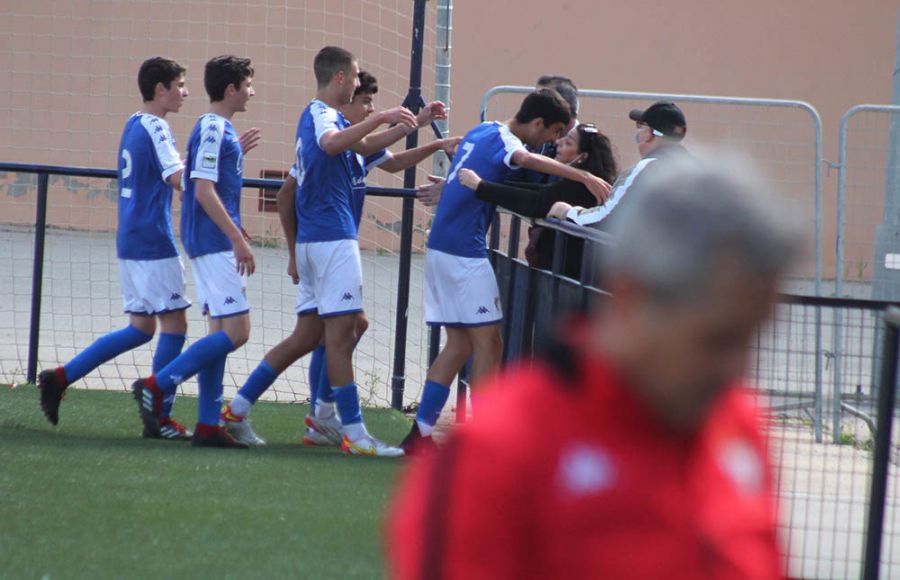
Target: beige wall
x=72, y=65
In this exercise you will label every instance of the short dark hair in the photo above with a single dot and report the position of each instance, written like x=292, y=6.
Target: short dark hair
x=600, y=160
x=562, y=85
x=222, y=71
x=157, y=70
x=368, y=84
x=329, y=61
x=544, y=104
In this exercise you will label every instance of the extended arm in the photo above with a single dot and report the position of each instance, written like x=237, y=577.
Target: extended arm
x=599, y=188
x=410, y=157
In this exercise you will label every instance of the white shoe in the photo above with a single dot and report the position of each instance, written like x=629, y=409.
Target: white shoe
x=243, y=432
x=329, y=427
x=368, y=445
x=316, y=439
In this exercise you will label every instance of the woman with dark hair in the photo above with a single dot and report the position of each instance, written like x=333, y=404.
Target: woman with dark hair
x=584, y=147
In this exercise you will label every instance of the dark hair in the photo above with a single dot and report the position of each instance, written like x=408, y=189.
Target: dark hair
x=368, y=84
x=157, y=70
x=329, y=61
x=544, y=104
x=222, y=71
x=600, y=160
x=564, y=86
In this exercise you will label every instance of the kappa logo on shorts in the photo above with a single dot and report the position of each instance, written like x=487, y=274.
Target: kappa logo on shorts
x=229, y=300
x=346, y=296
x=175, y=296
x=482, y=310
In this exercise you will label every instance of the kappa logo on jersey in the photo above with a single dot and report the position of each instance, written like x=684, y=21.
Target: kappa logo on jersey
x=347, y=296
x=211, y=139
x=209, y=160
x=229, y=300
x=158, y=127
x=162, y=139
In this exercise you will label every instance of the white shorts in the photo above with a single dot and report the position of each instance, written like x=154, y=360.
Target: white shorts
x=460, y=291
x=330, y=278
x=220, y=289
x=153, y=286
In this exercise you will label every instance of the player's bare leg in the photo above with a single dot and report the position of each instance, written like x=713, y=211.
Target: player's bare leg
x=487, y=349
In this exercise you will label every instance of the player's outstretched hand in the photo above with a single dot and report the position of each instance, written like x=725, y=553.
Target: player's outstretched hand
x=244, y=257
x=292, y=269
x=597, y=186
x=429, y=194
x=399, y=115
x=434, y=111
x=449, y=145
x=469, y=179
x=250, y=139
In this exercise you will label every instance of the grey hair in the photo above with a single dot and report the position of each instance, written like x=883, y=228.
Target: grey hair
x=691, y=217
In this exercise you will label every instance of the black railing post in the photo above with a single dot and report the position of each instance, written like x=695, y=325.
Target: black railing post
x=414, y=103
x=886, y=397
x=37, y=276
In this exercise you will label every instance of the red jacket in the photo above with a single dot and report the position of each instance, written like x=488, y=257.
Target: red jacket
x=572, y=477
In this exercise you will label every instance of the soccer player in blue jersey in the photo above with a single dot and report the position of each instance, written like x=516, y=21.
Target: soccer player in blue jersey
x=321, y=395
x=152, y=274
x=461, y=291
x=220, y=255
x=327, y=252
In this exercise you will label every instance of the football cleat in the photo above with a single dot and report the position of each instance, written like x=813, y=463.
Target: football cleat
x=316, y=439
x=239, y=428
x=53, y=386
x=417, y=444
x=368, y=445
x=149, y=399
x=330, y=427
x=169, y=428
x=209, y=436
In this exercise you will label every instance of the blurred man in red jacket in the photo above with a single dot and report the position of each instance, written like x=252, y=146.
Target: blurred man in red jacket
x=631, y=450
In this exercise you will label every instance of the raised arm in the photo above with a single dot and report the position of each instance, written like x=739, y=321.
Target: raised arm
x=410, y=157
x=599, y=188
x=357, y=138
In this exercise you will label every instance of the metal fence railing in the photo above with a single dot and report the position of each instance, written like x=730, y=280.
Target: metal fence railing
x=834, y=502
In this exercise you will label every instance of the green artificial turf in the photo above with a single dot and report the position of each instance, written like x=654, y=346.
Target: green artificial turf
x=92, y=499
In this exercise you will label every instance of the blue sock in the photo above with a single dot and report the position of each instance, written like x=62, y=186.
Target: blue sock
x=210, y=381
x=347, y=401
x=106, y=347
x=326, y=393
x=201, y=354
x=315, y=368
x=168, y=347
x=433, y=399
x=259, y=380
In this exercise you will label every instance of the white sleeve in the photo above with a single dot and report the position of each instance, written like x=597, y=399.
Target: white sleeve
x=163, y=145
x=373, y=161
x=511, y=144
x=325, y=119
x=296, y=170
x=206, y=162
x=601, y=212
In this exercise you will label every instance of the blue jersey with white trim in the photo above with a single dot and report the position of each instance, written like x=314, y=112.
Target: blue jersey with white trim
x=147, y=157
x=361, y=167
x=461, y=221
x=325, y=183
x=214, y=153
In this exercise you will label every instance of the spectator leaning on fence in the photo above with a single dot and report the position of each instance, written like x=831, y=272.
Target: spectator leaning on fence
x=630, y=449
x=660, y=129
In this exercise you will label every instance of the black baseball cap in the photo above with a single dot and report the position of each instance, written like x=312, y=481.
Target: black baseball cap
x=662, y=116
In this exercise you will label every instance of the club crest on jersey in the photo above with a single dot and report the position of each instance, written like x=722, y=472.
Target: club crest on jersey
x=209, y=160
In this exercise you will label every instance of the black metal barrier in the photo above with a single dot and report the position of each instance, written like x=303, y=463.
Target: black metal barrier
x=783, y=367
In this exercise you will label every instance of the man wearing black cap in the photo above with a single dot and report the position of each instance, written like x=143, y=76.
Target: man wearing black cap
x=660, y=129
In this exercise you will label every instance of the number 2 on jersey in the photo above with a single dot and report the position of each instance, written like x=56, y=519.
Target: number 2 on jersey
x=467, y=150
x=126, y=172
